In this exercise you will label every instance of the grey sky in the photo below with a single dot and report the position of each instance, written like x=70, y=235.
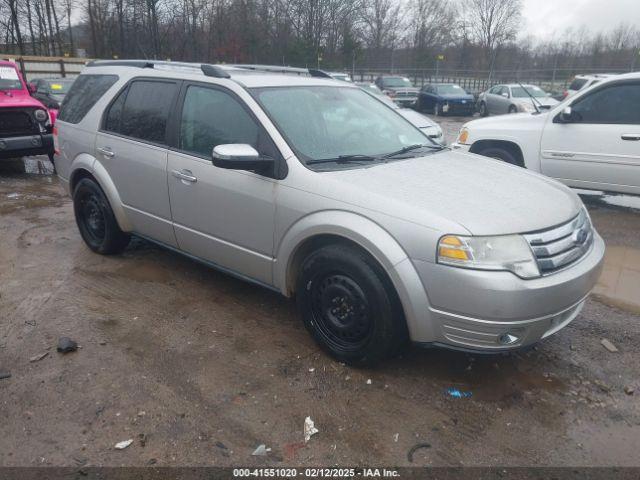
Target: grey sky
x=543, y=18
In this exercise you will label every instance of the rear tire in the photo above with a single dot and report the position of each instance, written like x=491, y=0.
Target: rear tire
x=96, y=221
x=349, y=306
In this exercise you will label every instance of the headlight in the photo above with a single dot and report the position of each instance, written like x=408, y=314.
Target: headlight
x=506, y=252
x=463, y=135
x=41, y=115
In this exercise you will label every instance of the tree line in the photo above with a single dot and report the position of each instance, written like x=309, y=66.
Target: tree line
x=478, y=35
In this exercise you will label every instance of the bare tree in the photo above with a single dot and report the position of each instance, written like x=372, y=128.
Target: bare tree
x=493, y=23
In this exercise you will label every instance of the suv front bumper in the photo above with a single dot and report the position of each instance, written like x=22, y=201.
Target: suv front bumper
x=495, y=311
x=12, y=147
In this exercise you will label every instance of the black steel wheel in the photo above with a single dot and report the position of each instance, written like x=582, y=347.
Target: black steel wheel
x=95, y=219
x=349, y=305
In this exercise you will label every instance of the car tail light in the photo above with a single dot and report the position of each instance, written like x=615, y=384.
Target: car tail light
x=56, y=145
x=565, y=93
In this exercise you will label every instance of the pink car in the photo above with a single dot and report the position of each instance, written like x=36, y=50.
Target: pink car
x=25, y=124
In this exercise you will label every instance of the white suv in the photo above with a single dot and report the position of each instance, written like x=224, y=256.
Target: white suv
x=591, y=140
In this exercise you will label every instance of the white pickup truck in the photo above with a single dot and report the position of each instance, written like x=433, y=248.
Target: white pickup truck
x=590, y=140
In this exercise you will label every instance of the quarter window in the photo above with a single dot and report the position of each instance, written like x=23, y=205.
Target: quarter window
x=212, y=117
x=83, y=95
x=616, y=104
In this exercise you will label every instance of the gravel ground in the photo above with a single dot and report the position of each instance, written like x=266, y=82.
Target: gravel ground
x=198, y=368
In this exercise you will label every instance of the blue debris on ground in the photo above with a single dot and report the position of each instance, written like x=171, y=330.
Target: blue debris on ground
x=455, y=393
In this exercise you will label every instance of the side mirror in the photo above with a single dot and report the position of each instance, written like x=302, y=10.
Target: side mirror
x=566, y=115
x=240, y=156
x=505, y=94
x=32, y=87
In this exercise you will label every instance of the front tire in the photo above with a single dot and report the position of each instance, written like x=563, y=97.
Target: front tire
x=349, y=306
x=95, y=219
x=484, y=112
x=513, y=109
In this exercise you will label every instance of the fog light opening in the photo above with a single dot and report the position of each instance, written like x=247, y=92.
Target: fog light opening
x=508, y=339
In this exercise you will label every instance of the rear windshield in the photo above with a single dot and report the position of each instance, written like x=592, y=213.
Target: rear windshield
x=577, y=84
x=450, y=90
x=9, y=79
x=83, y=94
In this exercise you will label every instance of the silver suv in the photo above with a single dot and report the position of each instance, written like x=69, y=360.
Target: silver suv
x=311, y=187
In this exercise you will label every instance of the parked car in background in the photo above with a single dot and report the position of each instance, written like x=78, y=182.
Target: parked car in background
x=51, y=92
x=591, y=140
x=584, y=81
x=513, y=98
x=424, y=123
x=312, y=188
x=25, y=124
x=399, y=89
x=345, y=77
x=445, y=98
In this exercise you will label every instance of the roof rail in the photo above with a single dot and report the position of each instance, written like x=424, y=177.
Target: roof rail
x=207, y=69
x=272, y=68
x=282, y=69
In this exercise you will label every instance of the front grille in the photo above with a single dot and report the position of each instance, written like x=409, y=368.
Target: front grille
x=16, y=122
x=406, y=94
x=558, y=247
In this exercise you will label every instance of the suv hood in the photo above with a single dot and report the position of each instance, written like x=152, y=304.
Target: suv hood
x=485, y=196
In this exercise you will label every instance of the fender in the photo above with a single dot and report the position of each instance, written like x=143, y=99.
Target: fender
x=375, y=240
x=87, y=162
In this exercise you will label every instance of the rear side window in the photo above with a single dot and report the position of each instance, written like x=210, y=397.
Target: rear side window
x=142, y=110
x=84, y=93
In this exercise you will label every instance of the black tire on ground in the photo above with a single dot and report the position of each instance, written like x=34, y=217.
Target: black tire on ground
x=349, y=306
x=482, y=109
x=96, y=221
x=513, y=109
x=503, y=154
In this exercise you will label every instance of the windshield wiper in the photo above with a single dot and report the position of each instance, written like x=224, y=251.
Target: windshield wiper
x=345, y=159
x=410, y=148
x=534, y=100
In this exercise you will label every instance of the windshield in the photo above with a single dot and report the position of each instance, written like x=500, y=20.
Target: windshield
x=59, y=87
x=333, y=122
x=519, y=92
x=396, y=82
x=9, y=79
x=450, y=90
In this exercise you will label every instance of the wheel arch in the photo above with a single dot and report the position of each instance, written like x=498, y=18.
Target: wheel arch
x=98, y=173
x=512, y=147
x=322, y=228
